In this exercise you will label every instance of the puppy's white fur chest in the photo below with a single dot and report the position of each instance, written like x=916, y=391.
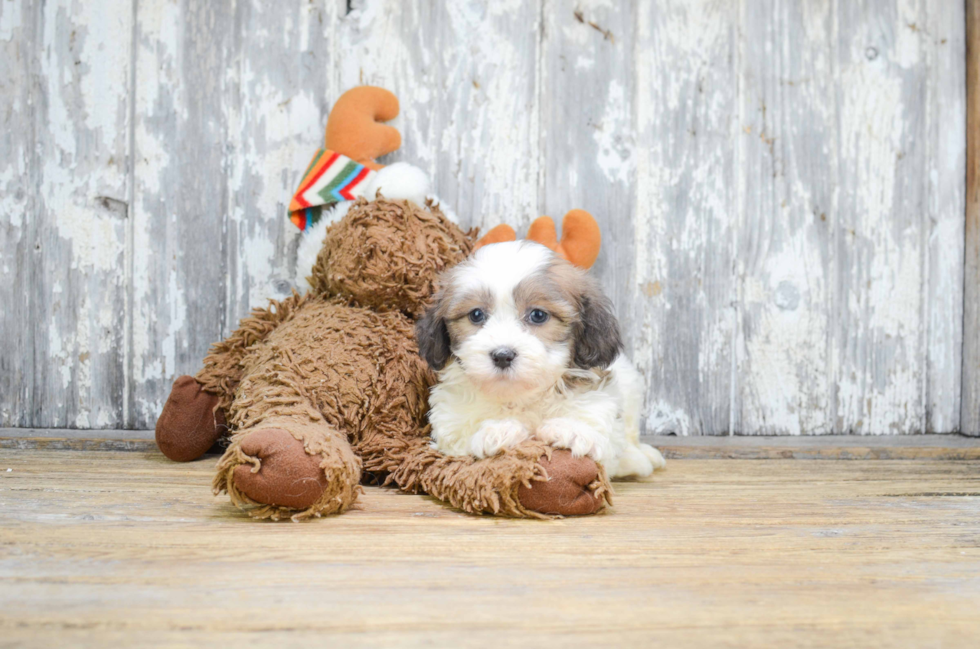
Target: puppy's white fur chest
x=459, y=408
x=602, y=418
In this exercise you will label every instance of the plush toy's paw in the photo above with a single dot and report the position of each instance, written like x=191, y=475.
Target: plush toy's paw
x=570, y=488
x=283, y=474
x=190, y=423
x=306, y=471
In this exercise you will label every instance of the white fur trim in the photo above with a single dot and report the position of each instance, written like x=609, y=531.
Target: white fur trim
x=399, y=181
x=311, y=242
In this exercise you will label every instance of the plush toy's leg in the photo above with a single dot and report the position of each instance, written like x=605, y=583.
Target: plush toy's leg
x=193, y=418
x=285, y=460
x=191, y=421
x=289, y=468
x=222, y=369
x=529, y=481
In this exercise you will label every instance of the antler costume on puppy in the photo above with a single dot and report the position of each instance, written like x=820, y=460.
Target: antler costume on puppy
x=320, y=389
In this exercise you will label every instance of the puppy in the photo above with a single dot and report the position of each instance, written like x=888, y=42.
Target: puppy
x=526, y=346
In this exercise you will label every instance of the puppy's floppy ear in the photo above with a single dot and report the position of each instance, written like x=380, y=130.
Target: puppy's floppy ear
x=597, y=339
x=432, y=336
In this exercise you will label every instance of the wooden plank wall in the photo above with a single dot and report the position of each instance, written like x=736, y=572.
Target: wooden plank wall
x=780, y=185
x=970, y=410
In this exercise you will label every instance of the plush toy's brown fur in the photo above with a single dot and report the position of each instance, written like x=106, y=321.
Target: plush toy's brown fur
x=322, y=387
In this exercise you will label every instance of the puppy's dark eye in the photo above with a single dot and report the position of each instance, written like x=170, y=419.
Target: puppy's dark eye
x=537, y=316
x=477, y=316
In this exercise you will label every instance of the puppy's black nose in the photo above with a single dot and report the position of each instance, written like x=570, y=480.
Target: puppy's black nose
x=503, y=357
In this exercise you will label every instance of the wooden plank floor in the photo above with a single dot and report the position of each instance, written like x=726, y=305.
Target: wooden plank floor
x=116, y=547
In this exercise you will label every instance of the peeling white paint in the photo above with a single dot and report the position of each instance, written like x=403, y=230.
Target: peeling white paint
x=615, y=150
x=663, y=419
x=11, y=20
x=780, y=191
x=178, y=320
x=79, y=108
x=682, y=285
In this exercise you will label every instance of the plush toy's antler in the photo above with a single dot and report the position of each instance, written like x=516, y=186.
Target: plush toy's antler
x=580, y=237
x=496, y=234
x=354, y=128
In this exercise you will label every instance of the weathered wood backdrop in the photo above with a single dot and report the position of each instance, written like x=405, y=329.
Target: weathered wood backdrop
x=780, y=184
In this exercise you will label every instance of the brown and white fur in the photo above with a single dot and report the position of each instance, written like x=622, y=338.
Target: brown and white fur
x=527, y=346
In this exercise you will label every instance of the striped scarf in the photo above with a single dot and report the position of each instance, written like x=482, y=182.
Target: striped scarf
x=330, y=178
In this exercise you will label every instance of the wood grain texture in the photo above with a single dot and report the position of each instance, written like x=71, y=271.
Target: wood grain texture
x=281, y=87
x=944, y=50
x=859, y=229
x=465, y=75
x=780, y=187
x=680, y=309
x=818, y=447
x=786, y=185
x=182, y=187
x=18, y=197
x=68, y=143
x=970, y=411
x=118, y=548
x=880, y=235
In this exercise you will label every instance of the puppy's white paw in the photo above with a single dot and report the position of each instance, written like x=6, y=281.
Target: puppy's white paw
x=580, y=438
x=497, y=434
x=633, y=463
x=637, y=461
x=655, y=457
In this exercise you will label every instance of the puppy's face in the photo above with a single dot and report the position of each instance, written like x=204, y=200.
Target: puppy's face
x=514, y=317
